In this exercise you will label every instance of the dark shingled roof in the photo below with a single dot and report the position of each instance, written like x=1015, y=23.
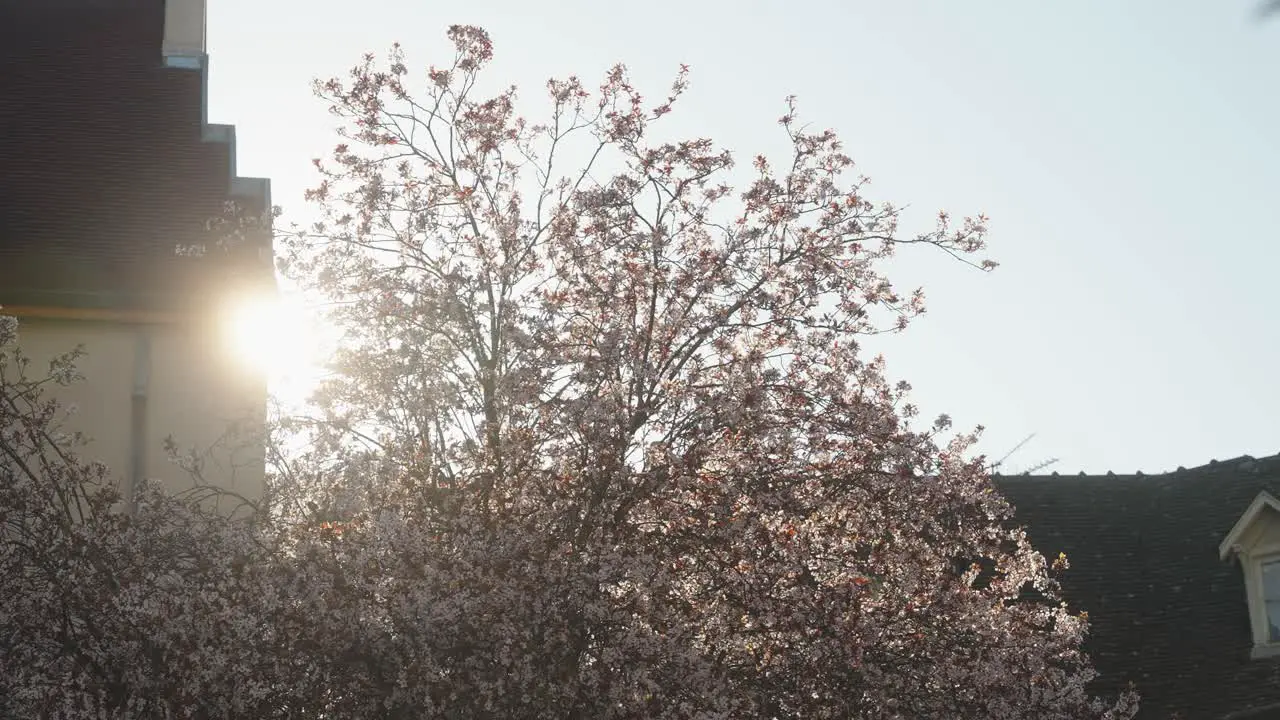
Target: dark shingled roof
x=106, y=159
x=1165, y=612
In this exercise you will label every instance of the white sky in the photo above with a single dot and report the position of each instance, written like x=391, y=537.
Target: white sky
x=1127, y=152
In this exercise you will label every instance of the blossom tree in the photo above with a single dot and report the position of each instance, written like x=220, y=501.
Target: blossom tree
x=614, y=416
x=600, y=442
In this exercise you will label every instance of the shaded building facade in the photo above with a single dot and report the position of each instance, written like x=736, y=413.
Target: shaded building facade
x=109, y=168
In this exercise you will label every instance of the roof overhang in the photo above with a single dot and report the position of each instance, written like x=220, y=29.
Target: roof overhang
x=146, y=317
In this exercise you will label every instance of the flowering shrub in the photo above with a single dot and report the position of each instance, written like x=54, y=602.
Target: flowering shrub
x=600, y=443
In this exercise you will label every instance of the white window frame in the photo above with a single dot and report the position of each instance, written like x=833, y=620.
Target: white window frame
x=1263, y=645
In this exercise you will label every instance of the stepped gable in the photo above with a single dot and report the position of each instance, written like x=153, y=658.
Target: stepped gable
x=107, y=161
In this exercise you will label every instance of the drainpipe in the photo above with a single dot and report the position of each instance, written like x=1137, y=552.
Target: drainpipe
x=138, y=414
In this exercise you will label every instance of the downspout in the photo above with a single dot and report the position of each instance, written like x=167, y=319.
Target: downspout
x=138, y=414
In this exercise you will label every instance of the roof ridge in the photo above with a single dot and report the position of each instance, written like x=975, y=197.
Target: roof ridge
x=1241, y=462
x=1244, y=462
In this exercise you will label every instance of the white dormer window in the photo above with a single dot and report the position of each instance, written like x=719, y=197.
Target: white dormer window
x=1271, y=598
x=1255, y=541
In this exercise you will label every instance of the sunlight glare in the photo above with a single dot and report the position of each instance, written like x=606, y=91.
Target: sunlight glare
x=277, y=337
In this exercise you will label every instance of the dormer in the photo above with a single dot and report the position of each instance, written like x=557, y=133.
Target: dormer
x=1255, y=541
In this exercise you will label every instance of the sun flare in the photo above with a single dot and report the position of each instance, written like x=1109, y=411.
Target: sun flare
x=275, y=336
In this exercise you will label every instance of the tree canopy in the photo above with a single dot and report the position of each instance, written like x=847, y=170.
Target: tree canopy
x=600, y=442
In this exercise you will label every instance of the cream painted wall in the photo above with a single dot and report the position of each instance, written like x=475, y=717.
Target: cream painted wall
x=101, y=409
x=200, y=394
x=194, y=391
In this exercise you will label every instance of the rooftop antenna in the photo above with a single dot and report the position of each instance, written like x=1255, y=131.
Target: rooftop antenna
x=995, y=467
x=997, y=464
x=1039, y=466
